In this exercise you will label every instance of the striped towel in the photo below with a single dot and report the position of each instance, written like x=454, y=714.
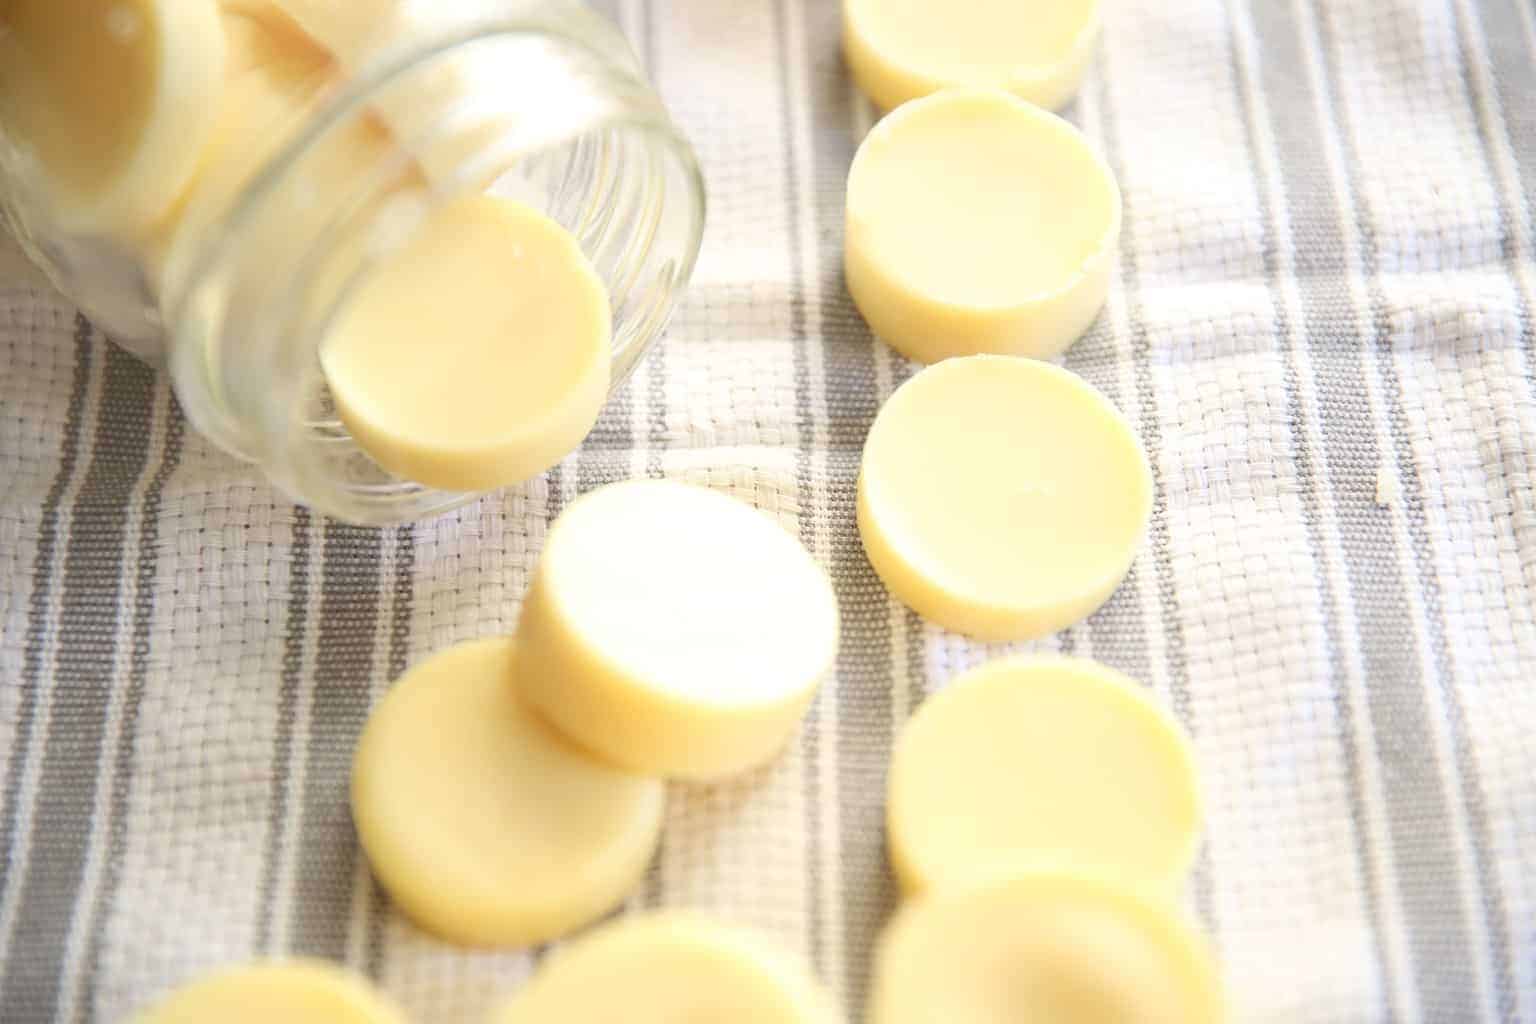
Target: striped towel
x=1322, y=326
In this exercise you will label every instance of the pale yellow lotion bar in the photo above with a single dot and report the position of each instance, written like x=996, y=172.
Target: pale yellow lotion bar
x=1000, y=497
x=670, y=968
x=486, y=826
x=1053, y=949
x=478, y=354
x=111, y=100
x=674, y=630
x=271, y=82
x=1043, y=763
x=977, y=222
x=452, y=111
x=899, y=50
x=290, y=992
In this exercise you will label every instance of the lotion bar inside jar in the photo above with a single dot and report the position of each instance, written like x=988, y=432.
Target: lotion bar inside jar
x=109, y=102
x=478, y=354
x=455, y=113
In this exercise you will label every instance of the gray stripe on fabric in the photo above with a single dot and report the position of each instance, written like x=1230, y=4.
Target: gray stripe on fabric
x=1399, y=717
x=347, y=619
x=398, y=657
x=138, y=675
x=1463, y=998
x=296, y=628
x=1276, y=81
x=92, y=581
x=43, y=583
x=864, y=663
x=1160, y=534
x=917, y=664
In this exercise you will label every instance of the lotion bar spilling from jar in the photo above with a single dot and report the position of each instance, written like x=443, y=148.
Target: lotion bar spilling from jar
x=478, y=354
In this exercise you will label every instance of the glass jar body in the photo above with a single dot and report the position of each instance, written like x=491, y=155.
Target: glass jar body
x=540, y=101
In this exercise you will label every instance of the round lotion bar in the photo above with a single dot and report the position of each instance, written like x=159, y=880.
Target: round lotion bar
x=1051, y=949
x=977, y=222
x=899, y=50
x=478, y=354
x=485, y=826
x=670, y=968
x=293, y=992
x=1002, y=498
x=109, y=102
x=674, y=630
x=1043, y=763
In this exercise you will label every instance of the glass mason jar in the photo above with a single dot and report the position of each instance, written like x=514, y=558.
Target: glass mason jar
x=539, y=100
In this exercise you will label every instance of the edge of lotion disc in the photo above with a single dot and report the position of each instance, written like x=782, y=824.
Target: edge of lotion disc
x=484, y=825
x=675, y=630
x=290, y=991
x=161, y=61
x=901, y=50
x=1043, y=763
x=977, y=222
x=1002, y=498
x=1044, y=947
x=670, y=966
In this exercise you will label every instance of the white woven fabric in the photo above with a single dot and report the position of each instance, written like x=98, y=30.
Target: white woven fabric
x=1322, y=326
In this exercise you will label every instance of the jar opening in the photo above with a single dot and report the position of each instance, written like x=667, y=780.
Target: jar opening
x=526, y=112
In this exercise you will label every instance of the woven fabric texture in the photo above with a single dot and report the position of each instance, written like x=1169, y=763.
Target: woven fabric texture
x=1322, y=326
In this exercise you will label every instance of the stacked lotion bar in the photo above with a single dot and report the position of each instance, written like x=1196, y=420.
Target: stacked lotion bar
x=509, y=791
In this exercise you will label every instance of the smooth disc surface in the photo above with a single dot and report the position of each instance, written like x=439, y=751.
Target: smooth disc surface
x=486, y=826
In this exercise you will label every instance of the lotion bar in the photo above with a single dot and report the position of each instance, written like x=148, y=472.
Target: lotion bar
x=109, y=103
x=486, y=826
x=977, y=222
x=1043, y=948
x=1000, y=497
x=478, y=354
x=271, y=81
x=456, y=112
x=899, y=50
x=293, y=992
x=674, y=630
x=1043, y=763
x=670, y=968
